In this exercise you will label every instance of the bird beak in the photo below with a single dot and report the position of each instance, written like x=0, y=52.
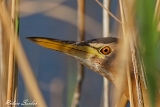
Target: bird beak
x=70, y=48
x=82, y=51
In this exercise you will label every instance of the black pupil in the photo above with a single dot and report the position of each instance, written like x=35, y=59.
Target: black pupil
x=105, y=50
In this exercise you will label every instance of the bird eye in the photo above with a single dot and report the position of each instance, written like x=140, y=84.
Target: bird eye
x=105, y=50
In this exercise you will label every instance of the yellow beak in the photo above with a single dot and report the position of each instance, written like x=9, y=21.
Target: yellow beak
x=75, y=49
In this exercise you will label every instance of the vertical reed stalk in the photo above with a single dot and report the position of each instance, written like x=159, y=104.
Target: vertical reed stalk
x=81, y=33
x=3, y=63
x=122, y=100
x=3, y=73
x=106, y=29
x=11, y=67
x=125, y=32
x=157, y=14
x=1, y=69
x=25, y=69
x=129, y=35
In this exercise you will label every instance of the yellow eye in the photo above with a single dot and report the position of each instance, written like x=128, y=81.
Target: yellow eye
x=105, y=50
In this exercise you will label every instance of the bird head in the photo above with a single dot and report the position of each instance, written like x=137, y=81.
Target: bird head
x=97, y=54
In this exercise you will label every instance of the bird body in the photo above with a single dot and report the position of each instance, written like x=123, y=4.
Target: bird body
x=100, y=55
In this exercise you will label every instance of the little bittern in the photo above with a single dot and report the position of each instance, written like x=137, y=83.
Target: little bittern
x=98, y=55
